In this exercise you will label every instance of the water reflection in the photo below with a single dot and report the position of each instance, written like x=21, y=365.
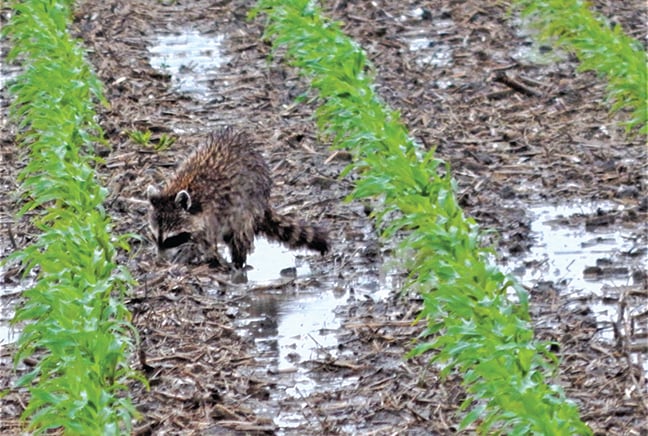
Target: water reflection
x=595, y=258
x=191, y=58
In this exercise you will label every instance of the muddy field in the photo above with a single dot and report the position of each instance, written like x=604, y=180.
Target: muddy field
x=315, y=344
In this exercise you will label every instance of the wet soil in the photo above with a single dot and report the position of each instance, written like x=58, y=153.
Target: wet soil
x=316, y=345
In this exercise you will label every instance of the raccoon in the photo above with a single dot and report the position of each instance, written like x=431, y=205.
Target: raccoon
x=220, y=194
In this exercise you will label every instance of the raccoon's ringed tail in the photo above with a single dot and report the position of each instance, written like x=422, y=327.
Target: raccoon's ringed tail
x=294, y=233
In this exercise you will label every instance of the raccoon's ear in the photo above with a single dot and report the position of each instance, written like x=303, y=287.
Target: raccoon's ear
x=152, y=192
x=183, y=199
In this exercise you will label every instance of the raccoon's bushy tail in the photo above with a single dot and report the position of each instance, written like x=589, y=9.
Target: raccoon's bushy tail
x=294, y=233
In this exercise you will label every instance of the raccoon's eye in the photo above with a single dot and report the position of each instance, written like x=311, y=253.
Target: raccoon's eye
x=176, y=240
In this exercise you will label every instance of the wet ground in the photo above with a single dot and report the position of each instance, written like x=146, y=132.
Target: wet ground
x=315, y=345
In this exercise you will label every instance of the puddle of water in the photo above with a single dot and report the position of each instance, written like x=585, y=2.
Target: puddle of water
x=300, y=321
x=298, y=324
x=594, y=264
x=191, y=59
x=431, y=52
x=289, y=329
x=538, y=54
x=8, y=334
x=437, y=55
x=271, y=259
x=8, y=74
x=534, y=50
x=9, y=295
x=430, y=49
x=293, y=325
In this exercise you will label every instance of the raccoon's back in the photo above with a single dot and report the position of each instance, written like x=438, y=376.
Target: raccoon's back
x=227, y=169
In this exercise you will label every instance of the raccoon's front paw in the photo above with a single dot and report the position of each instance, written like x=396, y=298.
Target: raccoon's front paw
x=188, y=254
x=216, y=261
x=239, y=276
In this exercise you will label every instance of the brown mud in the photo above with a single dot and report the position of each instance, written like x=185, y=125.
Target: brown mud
x=316, y=345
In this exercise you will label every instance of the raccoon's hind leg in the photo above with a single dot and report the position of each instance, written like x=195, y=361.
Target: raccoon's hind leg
x=240, y=239
x=240, y=246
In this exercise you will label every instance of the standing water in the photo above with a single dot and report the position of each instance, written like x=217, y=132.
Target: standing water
x=291, y=317
x=191, y=58
x=598, y=261
x=8, y=297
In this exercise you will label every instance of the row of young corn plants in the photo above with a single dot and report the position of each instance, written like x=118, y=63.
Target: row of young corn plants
x=474, y=325
x=75, y=323
x=601, y=47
